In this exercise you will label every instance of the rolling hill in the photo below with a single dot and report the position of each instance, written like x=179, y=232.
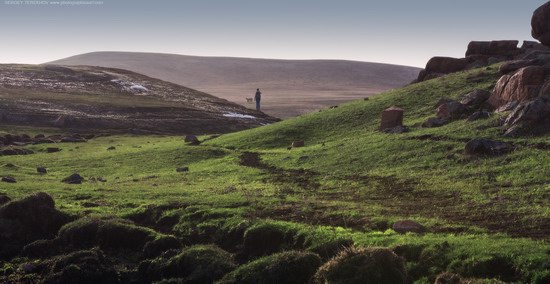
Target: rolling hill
x=290, y=87
x=107, y=99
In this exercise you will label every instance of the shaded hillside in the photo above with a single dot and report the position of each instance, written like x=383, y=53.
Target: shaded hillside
x=290, y=87
x=114, y=100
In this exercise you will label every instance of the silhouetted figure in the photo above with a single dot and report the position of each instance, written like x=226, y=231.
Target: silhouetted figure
x=258, y=98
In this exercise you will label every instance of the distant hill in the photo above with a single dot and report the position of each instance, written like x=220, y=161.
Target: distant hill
x=290, y=87
x=107, y=100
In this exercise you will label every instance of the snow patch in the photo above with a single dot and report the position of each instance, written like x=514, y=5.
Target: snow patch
x=238, y=115
x=130, y=86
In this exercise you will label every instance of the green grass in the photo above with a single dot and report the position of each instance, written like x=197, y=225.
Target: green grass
x=357, y=182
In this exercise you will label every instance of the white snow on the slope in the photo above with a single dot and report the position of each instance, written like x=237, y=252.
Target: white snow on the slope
x=138, y=87
x=130, y=86
x=238, y=115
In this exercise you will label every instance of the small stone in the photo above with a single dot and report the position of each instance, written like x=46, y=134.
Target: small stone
x=298, y=143
x=41, y=170
x=9, y=179
x=73, y=179
x=52, y=149
x=111, y=148
x=182, y=169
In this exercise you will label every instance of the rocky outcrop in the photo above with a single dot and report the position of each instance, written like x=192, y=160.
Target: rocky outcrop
x=450, y=111
x=391, y=117
x=530, y=117
x=522, y=86
x=540, y=24
x=493, y=48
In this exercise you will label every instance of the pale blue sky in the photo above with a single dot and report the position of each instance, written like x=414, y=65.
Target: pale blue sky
x=392, y=31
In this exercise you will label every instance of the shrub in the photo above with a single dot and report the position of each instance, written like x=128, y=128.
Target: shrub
x=159, y=245
x=268, y=237
x=292, y=267
x=363, y=265
x=83, y=267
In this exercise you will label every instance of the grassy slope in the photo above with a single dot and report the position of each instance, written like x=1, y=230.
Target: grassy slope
x=361, y=180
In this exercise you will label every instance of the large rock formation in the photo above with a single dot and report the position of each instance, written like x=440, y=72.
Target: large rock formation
x=522, y=86
x=493, y=48
x=540, y=24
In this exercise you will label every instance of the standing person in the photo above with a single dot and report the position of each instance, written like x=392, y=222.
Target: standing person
x=258, y=98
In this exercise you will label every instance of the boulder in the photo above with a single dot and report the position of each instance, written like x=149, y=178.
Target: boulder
x=445, y=65
x=298, y=143
x=475, y=98
x=406, y=226
x=507, y=107
x=73, y=179
x=450, y=111
x=531, y=115
x=41, y=170
x=479, y=115
x=434, y=122
x=533, y=45
x=486, y=147
x=496, y=47
x=522, y=86
x=8, y=179
x=540, y=24
x=391, y=117
x=515, y=65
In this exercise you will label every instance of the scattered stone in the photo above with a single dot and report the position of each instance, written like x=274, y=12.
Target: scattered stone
x=70, y=139
x=396, y=130
x=100, y=179
x=52, y=149
x=486, y=147
x=9, y=179
x=366, y=99
x=540, y=24
x=298, y=143
x=406, y=226
x=434, y=122
x=41, y=170
x=522, y=86
x=182, y=169
x=111, y=148
x=479, y=115
x=73, y=179
x=475, y=98
x=391, y=117
x=450, y=111
x=507, y=107
x=192, y=139
x=529, y=115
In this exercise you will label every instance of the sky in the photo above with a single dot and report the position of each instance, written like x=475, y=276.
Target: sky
x=404, y=32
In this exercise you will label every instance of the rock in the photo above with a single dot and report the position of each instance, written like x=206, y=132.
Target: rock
x=298, y=143
x=540, y=24
x=515, y=65
x=450, y=111
x=479, y=115
x=533, y=45
x=52, y=149
x=111, y=148
x=191, y=139
x=522, y=86
x=496, y=47
x=486, y=147
x=529, y=114
x=100, y=179
x=434, y=122
x=442, y=101
x=70, y=139
x=406, y=226
x=396, y=130
x=475, y=98
x=9, y=179
x=182, y=169
x=9, y=152
x=445, y=65
x=391, y=117
x=43, y=141
x=73, y=179
x=41, y=170
x=507, y=107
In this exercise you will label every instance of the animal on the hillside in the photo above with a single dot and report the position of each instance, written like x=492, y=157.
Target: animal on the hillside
x=249, y=100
